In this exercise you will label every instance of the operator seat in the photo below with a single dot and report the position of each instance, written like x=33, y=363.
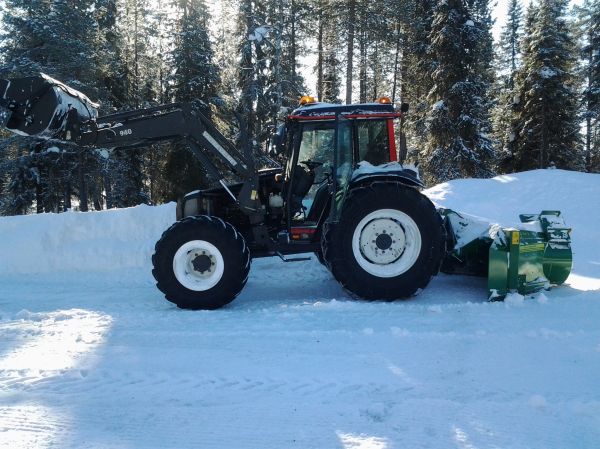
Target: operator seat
x=319, y=203
x=303, y=181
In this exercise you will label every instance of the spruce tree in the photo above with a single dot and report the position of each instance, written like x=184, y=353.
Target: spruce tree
x=250, y=75
x=195, y=77
x=588, y=27
x=548, y=130
x=110, y=56
x=25, y=26
x=456, y=145
x=285, y=83
x=328, y=65
x=507, y=63
x=226, y=47
x=59, y=38
x=331, y=68
x=70, y=48
x=593, y=90
x=138, y=29
x=416, y=63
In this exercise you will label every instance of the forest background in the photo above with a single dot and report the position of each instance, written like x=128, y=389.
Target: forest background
x=479, y=106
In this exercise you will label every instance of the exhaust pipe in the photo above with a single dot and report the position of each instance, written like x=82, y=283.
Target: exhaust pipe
x=40, y=106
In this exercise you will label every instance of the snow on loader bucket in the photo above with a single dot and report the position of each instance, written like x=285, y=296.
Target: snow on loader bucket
x=43, y=107
x=523, y=260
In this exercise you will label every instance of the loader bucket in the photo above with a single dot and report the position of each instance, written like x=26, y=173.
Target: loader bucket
x=41, y=106
x=515, y=260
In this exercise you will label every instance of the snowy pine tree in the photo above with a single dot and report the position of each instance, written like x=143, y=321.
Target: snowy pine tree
x=252, y=65
x=25, y=32
x=588, y=26
x=508, y=61
x=138, y=30
x=194, y=77
x=416, y=61
x=456, y=145
x=59, y=38
x=285, y=84
x=328, y=65
x=113, y=86
x=548, y=130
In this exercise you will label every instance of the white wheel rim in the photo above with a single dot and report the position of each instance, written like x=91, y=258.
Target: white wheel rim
x=198, y=265
x=386, y=243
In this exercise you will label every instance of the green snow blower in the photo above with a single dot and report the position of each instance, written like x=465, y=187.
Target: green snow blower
x=514, y=260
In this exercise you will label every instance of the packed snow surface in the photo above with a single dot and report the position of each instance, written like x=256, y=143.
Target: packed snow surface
x=92, y=356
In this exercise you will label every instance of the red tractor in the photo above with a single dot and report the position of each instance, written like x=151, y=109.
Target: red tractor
x=339, y=194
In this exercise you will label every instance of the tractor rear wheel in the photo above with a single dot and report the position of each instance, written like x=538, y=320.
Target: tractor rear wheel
x=201, y=262
x=388, y=243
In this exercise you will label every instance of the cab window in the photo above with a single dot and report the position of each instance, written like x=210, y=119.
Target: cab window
x=317, y=143
x=373, y=142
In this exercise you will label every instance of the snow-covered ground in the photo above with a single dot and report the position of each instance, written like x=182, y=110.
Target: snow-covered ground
x=91, y=356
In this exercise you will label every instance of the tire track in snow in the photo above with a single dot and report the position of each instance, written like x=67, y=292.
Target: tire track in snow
x=98, y=384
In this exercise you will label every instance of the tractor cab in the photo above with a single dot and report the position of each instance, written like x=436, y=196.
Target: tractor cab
x=323, y=145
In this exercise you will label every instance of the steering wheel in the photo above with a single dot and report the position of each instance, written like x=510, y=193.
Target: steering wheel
x=311, y=164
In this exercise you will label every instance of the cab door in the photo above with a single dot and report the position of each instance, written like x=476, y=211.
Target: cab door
x=309, y=169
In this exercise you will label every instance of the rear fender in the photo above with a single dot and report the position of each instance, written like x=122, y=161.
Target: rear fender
x=406, y=176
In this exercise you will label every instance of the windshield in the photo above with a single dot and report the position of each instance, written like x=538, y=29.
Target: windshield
x=317, y=143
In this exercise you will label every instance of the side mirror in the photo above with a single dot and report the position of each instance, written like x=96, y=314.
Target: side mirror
x=404, y=107
x=277, y=141
x=273, y=145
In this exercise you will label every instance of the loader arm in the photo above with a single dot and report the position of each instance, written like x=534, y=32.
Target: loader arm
x=42, y=107
x=172, y=122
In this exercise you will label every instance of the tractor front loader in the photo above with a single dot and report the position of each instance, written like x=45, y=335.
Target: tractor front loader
x=341, y=194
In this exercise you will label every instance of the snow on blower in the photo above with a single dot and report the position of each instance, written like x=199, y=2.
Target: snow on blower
x=341, y=195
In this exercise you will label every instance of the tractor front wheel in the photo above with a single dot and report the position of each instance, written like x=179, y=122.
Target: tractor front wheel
x=388, y=243
x=201, y=262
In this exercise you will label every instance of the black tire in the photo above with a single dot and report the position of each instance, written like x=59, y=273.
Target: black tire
x=337, y=243
x=232, y=251
x=319, y=256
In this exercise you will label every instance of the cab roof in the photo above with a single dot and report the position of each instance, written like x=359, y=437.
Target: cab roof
x=328, y=111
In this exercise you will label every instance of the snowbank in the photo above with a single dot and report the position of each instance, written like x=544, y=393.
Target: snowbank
x=120, y=239
x=82, y=241
x=501, y=200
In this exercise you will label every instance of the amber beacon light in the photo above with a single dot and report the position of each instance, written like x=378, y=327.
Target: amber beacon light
x=384, y=100
x=307, y=99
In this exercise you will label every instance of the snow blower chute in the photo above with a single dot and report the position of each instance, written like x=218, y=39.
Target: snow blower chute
x=514, y=260
x=377, y=233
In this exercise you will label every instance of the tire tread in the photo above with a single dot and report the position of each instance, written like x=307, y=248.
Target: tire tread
x=357, y=281
x=217, y=296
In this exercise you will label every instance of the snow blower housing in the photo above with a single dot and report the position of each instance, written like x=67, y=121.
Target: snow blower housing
x=341, y=195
